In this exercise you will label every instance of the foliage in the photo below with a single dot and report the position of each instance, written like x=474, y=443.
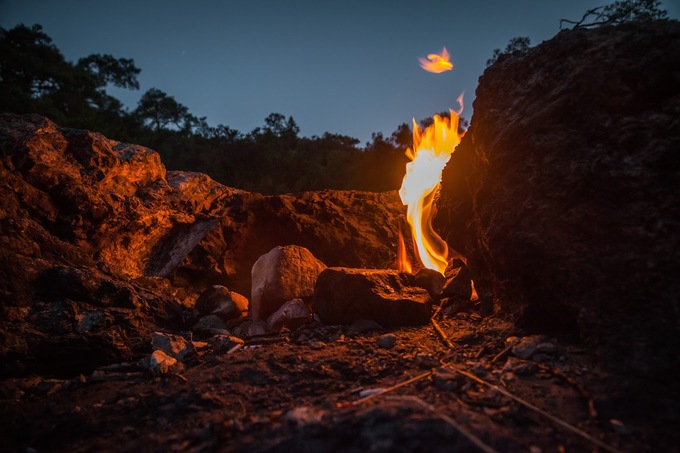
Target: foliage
x=519, y=44
x=619, y=12
x=273, y=158
x=35, y=77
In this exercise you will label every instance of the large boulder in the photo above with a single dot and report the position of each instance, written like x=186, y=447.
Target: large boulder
x=565, y=192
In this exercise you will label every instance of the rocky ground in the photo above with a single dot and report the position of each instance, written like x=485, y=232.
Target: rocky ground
x=340, y=388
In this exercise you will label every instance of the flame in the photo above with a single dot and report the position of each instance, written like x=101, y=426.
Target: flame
x=403, y=262
x=437, y=63
x=431, y=151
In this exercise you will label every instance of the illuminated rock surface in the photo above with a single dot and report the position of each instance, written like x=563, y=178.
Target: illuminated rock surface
x=565, y=192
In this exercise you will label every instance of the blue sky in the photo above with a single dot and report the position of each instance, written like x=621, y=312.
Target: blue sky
x=348, y=67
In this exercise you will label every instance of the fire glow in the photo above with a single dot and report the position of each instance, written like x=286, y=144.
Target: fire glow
x=432, y=149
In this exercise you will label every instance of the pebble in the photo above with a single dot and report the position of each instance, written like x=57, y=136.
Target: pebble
x=387, y=341
x=304, y=415
x=317, y=344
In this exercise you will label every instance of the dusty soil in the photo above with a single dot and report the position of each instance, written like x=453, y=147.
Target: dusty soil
x=309, y=390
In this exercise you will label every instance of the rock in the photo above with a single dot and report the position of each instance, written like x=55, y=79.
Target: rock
x=292, y=314
x=257, y=328
x=388, y=297
x=362, y=326
x=518, y=367
x=173, y=345
x=161, y=363
x=457, y=281
x=99, y=234
x=565, y=203
x=285, y=273
x=211, y=325
x=387, y=341
x=341, y=228
x=304, y=415
x=527, y=346
x=218, y=300
x=225, y=343
x=430, y=280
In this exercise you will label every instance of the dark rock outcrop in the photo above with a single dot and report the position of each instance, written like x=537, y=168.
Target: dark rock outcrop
x=565, y=192
x=100, y=246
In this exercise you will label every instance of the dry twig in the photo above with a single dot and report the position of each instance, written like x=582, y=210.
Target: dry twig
x=394, y=387
x=441, y=333
x=527, y=404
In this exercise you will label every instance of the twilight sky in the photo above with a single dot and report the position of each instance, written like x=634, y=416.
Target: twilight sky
x=348, y=67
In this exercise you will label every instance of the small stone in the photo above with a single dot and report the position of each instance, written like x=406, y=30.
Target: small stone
x=225, y=343
x=518, y=367
x=292, y=314
x=304, y=415
x=173, y=345
x=161, y=363
x=317, y=344
x=527, y=346
x=211, y=325
x=387, y=341
x=218, y=300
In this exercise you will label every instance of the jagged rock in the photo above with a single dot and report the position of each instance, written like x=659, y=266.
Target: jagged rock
x=388, y=297
x=283, y=274
x=564, y=194
x=173, y=345
x=457, y=281
x=161, y=363
x=291, y=314
x=218, y=300
x=77, y=201
x=210, y=325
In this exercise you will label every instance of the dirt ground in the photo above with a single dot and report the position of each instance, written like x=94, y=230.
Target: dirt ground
x=331, y=388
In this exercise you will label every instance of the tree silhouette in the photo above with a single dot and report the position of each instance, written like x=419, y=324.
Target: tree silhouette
x=518, y=44
x=159, y=111
x=618, y=13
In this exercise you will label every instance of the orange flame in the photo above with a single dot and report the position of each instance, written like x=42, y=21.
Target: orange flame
x=437, y=63
x=403, y=262
x=431, y=151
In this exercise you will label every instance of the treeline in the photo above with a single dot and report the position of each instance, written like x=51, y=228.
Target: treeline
x=36, y=78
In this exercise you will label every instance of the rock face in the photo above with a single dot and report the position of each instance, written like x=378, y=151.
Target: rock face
x=100, y=246
x=341, y=228
x=565, y=192
x=388, y=297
